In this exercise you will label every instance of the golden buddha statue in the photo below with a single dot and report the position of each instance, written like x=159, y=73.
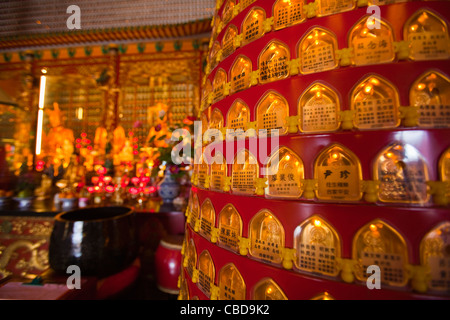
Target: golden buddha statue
x=58, y=144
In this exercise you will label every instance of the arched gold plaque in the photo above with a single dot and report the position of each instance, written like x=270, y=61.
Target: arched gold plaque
x=428, y=36
x=402, y=172
x=444, y=170
x=230, y=228
x=195, y=210
x=218, y=173
x=191, y=258
x=267, y=289
x=371, y=45
x=288, y=13
x=318, y=247
x=338, y=174
x=227, y=13
x=316, y=51
x=240, y=74
x=244, y=171
x=252, y=26
x=318, y=108
x=213, y=55
x=271, y=113
x=219, y=82
x=266, y=237
x=328, y=7
x=377, y=243
x=238, y=117
x=231, y=283
x=375, y=103
x=228, y=46
x=202, y=171
x=273, y=62
x=435, y=255
x=286, y=182
x=207, y=218
x=206, y=90
x=206, y=272
x=430, y=93
x=216, y=121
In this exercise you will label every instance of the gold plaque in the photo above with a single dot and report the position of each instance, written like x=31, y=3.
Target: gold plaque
x=375, y=102
x=252, y=26
x=218, y=173
x=379, y=244
x=267, y=289
x=273, y=62
x=227, y=13
x=219, y=83
x=402, y=172
x=338, y=173
x=288, y=13
x=195, y=210
x=328, y=7
x=285, y=182
x=244, y=172
x=371, y=45
x=444, y=170
x=317, y=51
x=435, y=255
x=240, y=74
x=202, y=171
x=272, y=112
x=213, y=55
x=191, y=255
x=238, y=117
x=230, y=228
x=231, y=283
x=317, y=246
x=206, y=90
x=430, y=93
x=216, y=121
x=318, y=108
x=228, y=40
x=206, y=272
x=207, y=218
x=428, y=36
x=266, y=237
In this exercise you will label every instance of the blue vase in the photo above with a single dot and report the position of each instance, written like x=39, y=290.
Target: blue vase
x=168, y=188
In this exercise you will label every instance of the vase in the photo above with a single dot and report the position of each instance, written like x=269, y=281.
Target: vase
x=168, y=188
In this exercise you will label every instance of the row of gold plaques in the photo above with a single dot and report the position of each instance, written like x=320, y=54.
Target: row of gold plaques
x=286, y=13
x=317, y=248
x=425, y=36
x=374, y=104
x=400, y=175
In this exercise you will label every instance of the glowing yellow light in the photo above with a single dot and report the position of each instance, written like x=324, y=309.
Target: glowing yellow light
x=335, y=155
x=318, y=94
x=316, y=42
x=44, y=71
x=40, y=115
x=368, y=89
x=287, y=157
x=42, y=92
x=317, y=223
x=373, y=228
x=421, y=86
x=298, y=163
x=374, y=81
x=39, y=131
x=269, y=290
x=389, y=154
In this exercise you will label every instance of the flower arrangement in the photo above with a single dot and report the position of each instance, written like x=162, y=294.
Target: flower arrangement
x=163, y=149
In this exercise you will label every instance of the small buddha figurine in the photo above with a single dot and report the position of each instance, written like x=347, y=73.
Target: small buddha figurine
x=58, y=144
